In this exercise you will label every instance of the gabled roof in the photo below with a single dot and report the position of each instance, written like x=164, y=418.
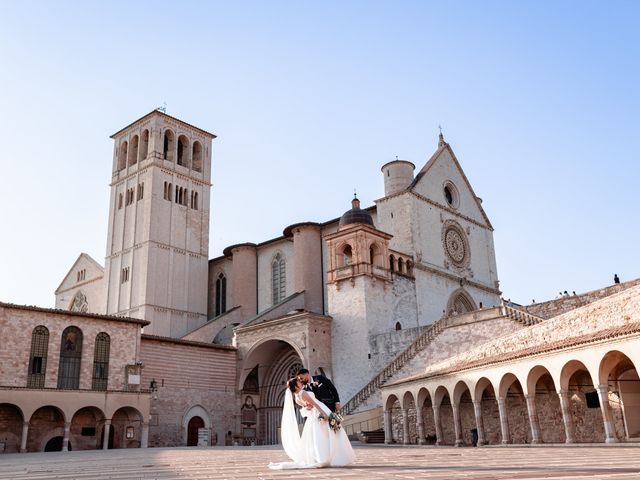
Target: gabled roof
x=442, y=147
x=82, y=256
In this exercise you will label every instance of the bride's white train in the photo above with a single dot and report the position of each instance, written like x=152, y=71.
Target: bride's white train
x=319, y=446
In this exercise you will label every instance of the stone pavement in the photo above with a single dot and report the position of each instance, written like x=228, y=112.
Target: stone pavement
x=374, y=462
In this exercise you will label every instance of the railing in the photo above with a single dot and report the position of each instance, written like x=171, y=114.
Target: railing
x=425, y=338
x=365, y=425
x=520, y=316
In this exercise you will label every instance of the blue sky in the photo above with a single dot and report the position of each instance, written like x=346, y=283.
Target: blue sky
x=539, y=100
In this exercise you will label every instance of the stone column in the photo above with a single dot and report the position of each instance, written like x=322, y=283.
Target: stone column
x=23, y=439
x=65, y=439
x=420, y=424
x=477, y=410
x=533, y=419
x=565, y=405
x=457, y=425
x=405, y=426
x=609, y=430
x=504, y=423
x=105, y=434
x=436, y=421
x=144, y=440
x=388, y=437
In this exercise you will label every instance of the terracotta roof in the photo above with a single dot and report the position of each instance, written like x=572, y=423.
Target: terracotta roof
x=57, y=311
x=193, y=343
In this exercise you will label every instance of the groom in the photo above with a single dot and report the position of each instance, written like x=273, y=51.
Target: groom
x=321, y=387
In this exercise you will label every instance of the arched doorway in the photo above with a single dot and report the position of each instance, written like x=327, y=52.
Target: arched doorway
x=55, y=444
x=460, y=302
x=87, y=426
x=126, y=426
x=10, y=427
x=45, y=424
x=192, y=431
x=275, y=361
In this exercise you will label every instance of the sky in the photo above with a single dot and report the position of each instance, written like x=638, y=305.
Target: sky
x=539, y=100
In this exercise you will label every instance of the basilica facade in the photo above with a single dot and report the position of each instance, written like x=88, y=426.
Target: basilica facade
x=163, y=346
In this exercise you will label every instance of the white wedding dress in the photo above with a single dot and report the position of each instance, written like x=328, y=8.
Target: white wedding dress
x=319, y=446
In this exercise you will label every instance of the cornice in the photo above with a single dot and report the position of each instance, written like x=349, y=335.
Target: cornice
x=456, y=278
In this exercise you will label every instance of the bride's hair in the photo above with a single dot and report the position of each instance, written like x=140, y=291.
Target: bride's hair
x=293, y=384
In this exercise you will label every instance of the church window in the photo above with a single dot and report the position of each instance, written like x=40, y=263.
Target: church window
x=122, y=157
x=140, y=191
x=392, y=263
x=170, y=192
x=120, y=197
x=133, y=151
x=144, y=145
x=183, y=151
x=278, y=279
x=451, y=194
x=400, y=266
x=177, y=194
x=101, y=362
x=398, y=326
x=38, y=357
x=124, y=276
x=221, y=294
x=184, y=197
x=168, y=145
x=70, y=356
x=81, y=275
x=195, y=200
x=164, y=195
x=196, y=157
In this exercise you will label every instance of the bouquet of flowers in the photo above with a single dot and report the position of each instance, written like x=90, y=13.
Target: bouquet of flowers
x=335, y=421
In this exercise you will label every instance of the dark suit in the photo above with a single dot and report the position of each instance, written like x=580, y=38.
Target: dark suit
x=324, y=391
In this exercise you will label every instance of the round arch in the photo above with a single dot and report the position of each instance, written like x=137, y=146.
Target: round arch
x=196, y=411
x=254, y=354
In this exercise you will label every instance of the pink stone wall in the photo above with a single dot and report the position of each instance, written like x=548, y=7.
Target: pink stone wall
x=189, y=376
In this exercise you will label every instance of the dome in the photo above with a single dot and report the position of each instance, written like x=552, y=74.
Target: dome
x=355, y=216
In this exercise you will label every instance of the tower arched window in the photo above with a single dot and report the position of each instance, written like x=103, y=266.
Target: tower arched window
x=133, y=151
x=168, y=145
x=38, y=357
x=195, y=200
x=400, y=265
x=183, y=151
x=120, y=198
x=392, y=263
x=144, y=145
x=221, y=294
x=347, y=256
x=122, y=156
x=278, y=278
x=170, y=192
x=398, y=326
x=196, y=157
x=70, y=356
x=101, y=362
x=374, y=254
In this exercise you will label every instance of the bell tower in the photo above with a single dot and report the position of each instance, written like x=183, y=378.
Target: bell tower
x=359, y=293
x=156, y=262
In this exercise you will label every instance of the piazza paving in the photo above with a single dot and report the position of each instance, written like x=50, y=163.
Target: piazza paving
x=374, y=462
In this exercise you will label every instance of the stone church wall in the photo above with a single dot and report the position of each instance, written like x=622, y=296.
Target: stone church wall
x=553, y=308
x=189, y=375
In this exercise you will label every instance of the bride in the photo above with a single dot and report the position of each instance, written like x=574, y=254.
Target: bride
x=319, y=446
